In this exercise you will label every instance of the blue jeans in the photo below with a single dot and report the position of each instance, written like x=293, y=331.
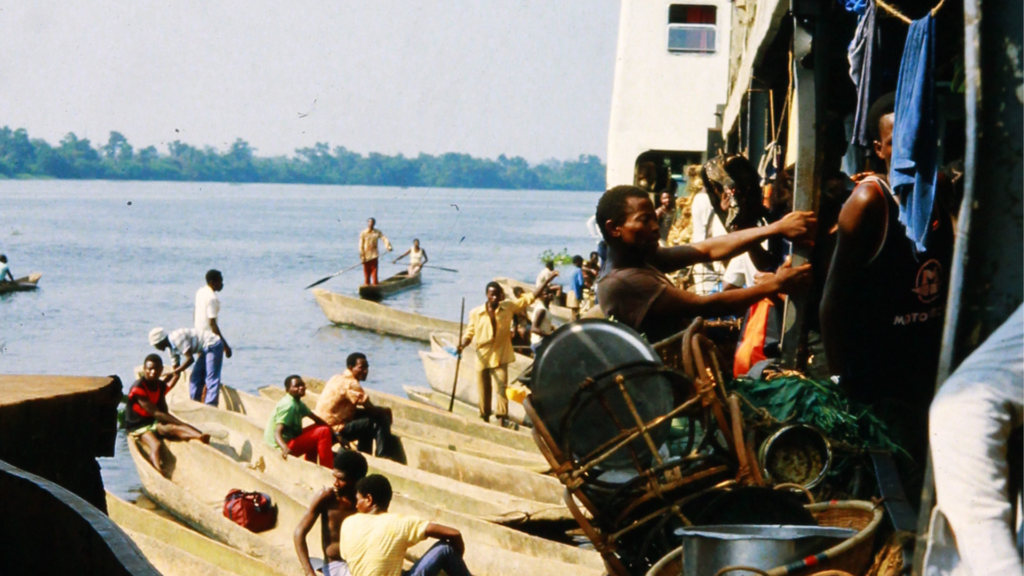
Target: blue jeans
x=441, y=556
x=206, y=372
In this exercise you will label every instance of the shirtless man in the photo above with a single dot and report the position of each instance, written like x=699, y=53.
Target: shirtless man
x=332, y=506
x=635, y=290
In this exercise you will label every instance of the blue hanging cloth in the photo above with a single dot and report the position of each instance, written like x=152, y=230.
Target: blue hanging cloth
x=915, y=145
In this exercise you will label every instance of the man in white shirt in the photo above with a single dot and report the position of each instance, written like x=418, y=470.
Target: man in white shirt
x=975, y=527
x=5, y=271
x=204, y=385
x=540, y=320
x=182, y=344
x=706, y=225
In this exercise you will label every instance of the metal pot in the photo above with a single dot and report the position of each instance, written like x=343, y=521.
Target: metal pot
x=796, y=454
x=708, y=549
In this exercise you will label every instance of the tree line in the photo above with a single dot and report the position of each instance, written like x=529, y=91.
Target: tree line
x=78, y=158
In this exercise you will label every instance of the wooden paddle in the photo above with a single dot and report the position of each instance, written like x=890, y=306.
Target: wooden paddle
x=440, y=268
x=326, y=278
x=458, y=359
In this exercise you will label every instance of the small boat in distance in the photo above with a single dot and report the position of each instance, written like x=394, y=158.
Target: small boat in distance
x=23, y=284
x=393, y=285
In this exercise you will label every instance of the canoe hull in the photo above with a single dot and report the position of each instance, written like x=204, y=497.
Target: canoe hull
x=23, y=284
x=378, y=318
x=393, y=285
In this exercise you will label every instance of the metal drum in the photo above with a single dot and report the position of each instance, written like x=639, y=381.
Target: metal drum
x=708, y=549
x=588, y=378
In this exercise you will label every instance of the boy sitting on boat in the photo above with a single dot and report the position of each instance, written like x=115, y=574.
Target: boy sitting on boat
x=146, y=417
x=332, y=506
x=374, y=542
x=284, y=430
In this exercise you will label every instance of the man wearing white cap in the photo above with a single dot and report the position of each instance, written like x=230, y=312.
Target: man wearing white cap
x=187, y=343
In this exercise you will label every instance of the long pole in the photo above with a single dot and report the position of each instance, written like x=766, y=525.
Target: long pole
x=458, y=358
x=326, y=278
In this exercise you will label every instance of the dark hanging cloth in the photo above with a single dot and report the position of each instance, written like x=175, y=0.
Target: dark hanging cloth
x=863, y=70
x=915, y=145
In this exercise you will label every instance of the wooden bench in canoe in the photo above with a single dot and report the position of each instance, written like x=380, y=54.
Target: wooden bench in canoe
x=379, y=318
x=392, y=285
x=199, y=476
x=31, y=282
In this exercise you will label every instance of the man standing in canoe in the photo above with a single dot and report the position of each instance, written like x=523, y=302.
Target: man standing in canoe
x=368, y=254
x=490, y=326
x=346, y=408
x=417, y=258
x=182, y=344
x=332, y=506
x=204, y=385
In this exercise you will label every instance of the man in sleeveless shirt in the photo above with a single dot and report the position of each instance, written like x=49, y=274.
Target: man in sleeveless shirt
x=884, y=302
x=636, y=292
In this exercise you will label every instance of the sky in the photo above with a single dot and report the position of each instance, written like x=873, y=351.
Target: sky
x=522, y=77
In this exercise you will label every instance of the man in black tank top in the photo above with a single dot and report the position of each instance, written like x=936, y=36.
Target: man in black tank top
x=884, y=302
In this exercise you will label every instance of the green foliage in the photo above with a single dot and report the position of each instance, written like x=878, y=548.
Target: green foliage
x=120, y=411
x=76, y=157
x=819, y=403
x=559, y=258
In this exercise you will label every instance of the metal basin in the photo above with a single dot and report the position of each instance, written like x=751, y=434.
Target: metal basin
x=707, y=549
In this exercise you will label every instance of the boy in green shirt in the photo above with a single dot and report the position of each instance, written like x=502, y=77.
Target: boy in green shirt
x=284, y=430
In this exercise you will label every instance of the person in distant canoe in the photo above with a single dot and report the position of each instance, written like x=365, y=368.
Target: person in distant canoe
x=183, y=343
x=368, y=254
x=146, y=417
x=347, y=409
x=284, y=430
x=5, y=270
x=374, y=542
x=490, y=326
x=332, y=506
x=417, y=258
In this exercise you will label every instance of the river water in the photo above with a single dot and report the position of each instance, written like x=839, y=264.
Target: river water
x=119, y=258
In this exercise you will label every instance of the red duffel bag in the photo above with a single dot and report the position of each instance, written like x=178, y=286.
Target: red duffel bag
x=250, y=510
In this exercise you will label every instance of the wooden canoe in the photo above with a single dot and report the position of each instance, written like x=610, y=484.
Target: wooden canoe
x=379, y=318
x=412, y=433
x=199, y=476
x=439, y=367
x=403, y=408
x=27, y=283
x=434, y=399
x=560, y=314
x=177, y=551
x=393, y=285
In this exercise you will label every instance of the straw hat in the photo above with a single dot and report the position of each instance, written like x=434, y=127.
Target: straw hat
x=156, y=335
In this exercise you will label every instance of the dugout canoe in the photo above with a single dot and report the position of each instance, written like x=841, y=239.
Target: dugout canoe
x=434, y=399
x=178, y=551
x=406, y=409
x=379, y=318
x=560, y=314
x=413, y=433
x=27, y=283
x=199, y=476
x=393, y=285
x=439, y=367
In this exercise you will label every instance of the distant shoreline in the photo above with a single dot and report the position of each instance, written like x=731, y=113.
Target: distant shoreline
x=24, y=158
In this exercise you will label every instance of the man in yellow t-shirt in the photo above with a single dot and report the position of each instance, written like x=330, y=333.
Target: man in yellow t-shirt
x=490, y=326
x=374, y=541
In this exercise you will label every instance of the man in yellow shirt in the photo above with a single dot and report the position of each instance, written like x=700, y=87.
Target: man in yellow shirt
x=368, y=254
x=490, y=326
x=347, y=409
x=374, y=541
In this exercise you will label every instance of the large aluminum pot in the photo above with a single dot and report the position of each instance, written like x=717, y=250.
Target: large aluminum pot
x=708, y=549
x=795, y=454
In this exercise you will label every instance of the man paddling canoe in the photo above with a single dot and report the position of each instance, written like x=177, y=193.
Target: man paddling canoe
x=490, y=326
x=332, y=506
x=5, y=270
x=368, y=253
x=417, y=258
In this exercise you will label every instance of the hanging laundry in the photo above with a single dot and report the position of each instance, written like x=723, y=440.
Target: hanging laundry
x=915, y=145
x=863, y=68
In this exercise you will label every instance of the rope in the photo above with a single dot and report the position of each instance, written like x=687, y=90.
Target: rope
x=893, y=11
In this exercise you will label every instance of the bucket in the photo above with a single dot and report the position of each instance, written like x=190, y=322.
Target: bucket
x=708, y=549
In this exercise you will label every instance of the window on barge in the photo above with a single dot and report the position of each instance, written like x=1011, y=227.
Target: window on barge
x=691, y=28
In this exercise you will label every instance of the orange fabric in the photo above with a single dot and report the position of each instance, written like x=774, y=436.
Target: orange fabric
x=751, y=348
